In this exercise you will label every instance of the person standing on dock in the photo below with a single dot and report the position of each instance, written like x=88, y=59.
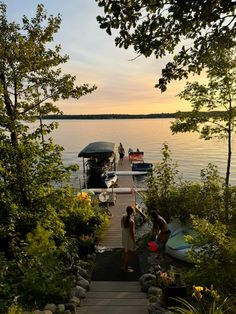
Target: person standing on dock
x=128, y=238
x=121, y=152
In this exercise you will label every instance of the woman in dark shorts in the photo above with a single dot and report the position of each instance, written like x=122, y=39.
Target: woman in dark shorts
x=160, y=230
x=121, y=151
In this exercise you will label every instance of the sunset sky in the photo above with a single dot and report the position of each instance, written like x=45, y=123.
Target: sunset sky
x=124, y=86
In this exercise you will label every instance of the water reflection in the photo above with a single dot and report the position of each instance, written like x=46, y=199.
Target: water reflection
x=190, y=153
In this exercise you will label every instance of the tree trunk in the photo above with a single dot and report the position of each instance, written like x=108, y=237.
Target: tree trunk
x=226, y=193
x=228, y=160
x=11, y=113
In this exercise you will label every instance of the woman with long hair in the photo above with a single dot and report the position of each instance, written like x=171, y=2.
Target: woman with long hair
x=128, y=237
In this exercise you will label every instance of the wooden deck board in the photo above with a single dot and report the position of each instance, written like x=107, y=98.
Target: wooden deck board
x=114, y=297
x=114, y=309
x=115, y=286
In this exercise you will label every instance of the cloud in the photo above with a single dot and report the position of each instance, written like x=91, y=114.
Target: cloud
x=124, y=86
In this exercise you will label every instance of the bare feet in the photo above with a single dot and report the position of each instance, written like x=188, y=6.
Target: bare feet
x=129, y=270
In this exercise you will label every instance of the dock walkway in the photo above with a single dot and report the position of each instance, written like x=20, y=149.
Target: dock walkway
x=112, y=238
x=116, y=297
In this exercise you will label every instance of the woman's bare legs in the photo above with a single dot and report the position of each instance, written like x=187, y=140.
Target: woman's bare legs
x=126, y=257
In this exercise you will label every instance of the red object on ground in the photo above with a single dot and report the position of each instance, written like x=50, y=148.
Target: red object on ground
x=152, y=246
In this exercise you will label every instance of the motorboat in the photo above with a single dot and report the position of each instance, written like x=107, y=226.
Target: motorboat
x=135, y=155
x=109, y=179
x=98, y=159
x=137, y=161
x=141, y=166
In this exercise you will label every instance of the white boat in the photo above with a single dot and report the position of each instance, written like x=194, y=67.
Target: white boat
x=109, y=179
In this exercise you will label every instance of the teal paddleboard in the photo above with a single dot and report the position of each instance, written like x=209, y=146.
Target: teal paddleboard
x=178, y=242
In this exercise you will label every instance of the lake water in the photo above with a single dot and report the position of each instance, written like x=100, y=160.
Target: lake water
x=190, y=153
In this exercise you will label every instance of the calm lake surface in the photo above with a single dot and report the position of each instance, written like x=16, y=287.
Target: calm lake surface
x=190, y=153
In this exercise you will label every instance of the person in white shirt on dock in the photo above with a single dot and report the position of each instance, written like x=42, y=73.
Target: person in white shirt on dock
x=128, y=237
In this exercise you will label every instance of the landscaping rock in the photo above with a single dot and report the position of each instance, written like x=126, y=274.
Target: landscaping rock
x=91, y=257
x=155, y=291
x=75, y=301
x=60, y=309
x=71, y=307
x=84, y=284
x=156, y=308
x=146, y=281
x=50, y=307
x=146, y=277
x=79, y=292
x=83, y=272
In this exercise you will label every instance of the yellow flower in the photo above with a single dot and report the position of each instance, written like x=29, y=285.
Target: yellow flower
x=198, y=288
x=197, y=292
x=83, y=197
x=213, y=293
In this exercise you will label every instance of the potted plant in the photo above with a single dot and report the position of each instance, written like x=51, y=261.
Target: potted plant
x=172, y=286
x=86, y=245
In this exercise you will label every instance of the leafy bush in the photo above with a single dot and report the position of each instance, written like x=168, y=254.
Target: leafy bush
x=161, y=185
x=214, y=255
x=45, y=277
x=84, y=220
x=9, y=279
x=208, y=202
x=172, y=197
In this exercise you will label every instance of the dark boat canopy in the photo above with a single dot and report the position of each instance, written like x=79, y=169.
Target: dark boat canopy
x=98, y=149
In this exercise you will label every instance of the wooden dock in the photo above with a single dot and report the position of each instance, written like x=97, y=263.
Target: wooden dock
x=112, y=238
x=116, y=297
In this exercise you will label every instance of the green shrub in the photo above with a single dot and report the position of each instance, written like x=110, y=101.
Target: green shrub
x=172, y=197
x=45, y=277
x=214, y=255
x=84, y=220
x=9, y=280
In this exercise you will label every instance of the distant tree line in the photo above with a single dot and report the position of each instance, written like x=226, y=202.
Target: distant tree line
x=118, y=116
x=111, y=116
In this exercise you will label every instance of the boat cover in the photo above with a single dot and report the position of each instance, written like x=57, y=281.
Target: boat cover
x=98, y=149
